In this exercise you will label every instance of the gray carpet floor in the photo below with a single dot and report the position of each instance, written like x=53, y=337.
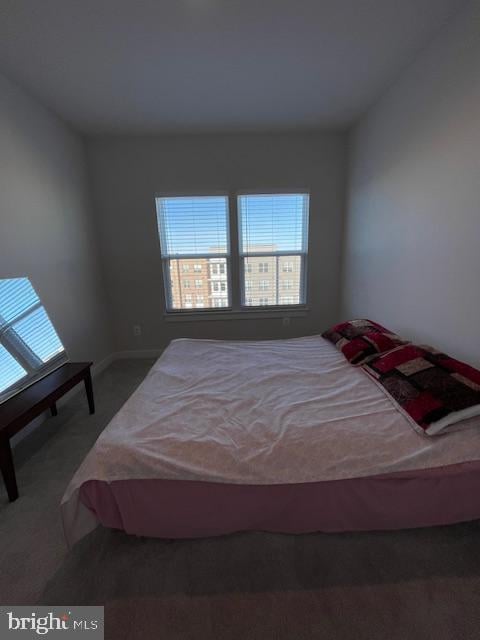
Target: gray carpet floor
x=384, y=585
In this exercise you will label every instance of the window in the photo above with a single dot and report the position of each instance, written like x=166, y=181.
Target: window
x=272, y=249
x=192, y=228
x=29, y=344
x=275, y=227
x=218, y=269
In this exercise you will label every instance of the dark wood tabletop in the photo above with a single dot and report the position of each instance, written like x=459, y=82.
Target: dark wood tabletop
x=17, y=412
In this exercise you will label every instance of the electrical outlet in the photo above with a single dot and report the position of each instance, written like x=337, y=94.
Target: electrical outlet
x=137, y=330
x=286, y=321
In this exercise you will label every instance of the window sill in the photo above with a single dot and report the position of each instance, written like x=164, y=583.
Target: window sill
x=245, y=314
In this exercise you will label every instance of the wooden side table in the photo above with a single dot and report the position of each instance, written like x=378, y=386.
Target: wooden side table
x=27, y=405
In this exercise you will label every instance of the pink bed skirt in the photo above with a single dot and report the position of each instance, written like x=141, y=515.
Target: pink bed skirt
x=184, y=509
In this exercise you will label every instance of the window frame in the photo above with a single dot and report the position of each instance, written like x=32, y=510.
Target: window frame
x=235, y=276
x=192, y=256
x=265, y=254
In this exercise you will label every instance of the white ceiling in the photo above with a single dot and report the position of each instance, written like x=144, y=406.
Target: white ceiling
x=212, y=65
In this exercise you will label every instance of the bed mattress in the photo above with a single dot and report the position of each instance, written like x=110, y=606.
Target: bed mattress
x=274, y=435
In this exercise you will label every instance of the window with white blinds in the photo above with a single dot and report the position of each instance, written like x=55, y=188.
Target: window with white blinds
x=194, y=241
x=272, y=249
x=29, y=344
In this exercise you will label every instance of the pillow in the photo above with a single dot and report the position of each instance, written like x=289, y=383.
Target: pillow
x=360, y=340
x=433, y=390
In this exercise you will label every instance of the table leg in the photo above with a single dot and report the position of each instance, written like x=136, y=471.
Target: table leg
x=8, y=470
x=53, y=409
x=89, y=390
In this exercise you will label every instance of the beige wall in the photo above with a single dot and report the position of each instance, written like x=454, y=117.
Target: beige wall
x=46, y=230
x=412, y=242
x=128, y=171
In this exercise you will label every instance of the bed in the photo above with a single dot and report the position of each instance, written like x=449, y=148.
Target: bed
x=282, y=436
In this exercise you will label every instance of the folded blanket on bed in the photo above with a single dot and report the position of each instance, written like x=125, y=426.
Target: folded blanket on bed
x=433, y=389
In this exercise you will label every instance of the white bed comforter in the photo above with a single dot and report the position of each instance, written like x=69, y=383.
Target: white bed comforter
x=263, y=412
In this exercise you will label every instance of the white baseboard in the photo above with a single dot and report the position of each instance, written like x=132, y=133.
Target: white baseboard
x=102, y=365
x=141, y=353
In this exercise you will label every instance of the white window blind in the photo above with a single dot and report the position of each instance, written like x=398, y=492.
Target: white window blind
x=29, y=344
x=194, y=235
x=273, y=236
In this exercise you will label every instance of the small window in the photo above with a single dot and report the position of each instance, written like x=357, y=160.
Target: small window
x=197, y=268
x=264, y=285
x=263, y=267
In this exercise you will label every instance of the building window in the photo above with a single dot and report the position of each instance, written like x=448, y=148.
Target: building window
x=218, y=269
x=272, y=241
